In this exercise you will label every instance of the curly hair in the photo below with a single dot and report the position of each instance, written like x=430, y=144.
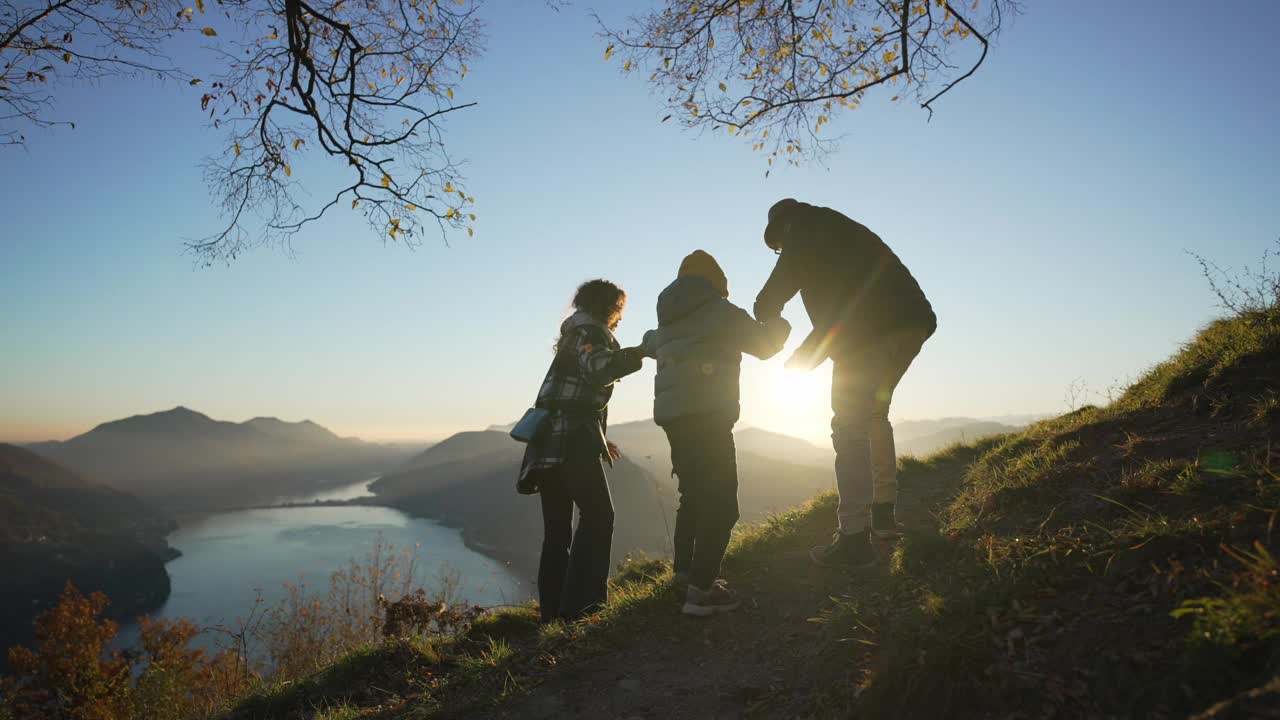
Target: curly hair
x=601, y=300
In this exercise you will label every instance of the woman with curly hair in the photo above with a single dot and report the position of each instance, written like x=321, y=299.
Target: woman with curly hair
x=564, y=464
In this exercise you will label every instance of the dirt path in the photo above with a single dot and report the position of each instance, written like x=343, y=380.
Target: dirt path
x=761, y=661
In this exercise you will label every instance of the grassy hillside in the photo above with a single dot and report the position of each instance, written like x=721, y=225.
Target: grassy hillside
x=1118, y=561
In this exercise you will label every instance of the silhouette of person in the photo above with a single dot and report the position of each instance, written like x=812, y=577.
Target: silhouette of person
x=699, y=343
x=871, y=318
x=563, y=465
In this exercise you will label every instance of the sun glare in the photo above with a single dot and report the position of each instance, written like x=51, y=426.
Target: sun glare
x=789, y=401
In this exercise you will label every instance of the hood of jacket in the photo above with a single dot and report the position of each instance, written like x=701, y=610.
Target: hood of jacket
x=683, y=298
x=578, y=319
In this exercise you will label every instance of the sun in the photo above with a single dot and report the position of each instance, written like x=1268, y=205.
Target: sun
x=788, y=401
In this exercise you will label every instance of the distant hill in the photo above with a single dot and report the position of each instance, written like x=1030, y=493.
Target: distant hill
x=646, y=443
x=922, y=438
x=476, y=493
x=468, y=481
x=304, y=431
x=183, y=459
x=55, y=526
x=462, y=446
x=784, y=447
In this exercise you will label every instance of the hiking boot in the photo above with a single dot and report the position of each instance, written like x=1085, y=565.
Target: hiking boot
x=883, y=525
x=702, y=603
x=845, y=551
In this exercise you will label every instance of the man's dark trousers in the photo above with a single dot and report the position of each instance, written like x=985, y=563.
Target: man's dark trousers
x=862, y=385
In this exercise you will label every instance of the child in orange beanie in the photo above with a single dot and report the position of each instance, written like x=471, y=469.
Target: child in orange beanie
x=699, y=344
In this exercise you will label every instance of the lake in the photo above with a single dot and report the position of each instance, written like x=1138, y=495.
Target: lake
x=227, y=558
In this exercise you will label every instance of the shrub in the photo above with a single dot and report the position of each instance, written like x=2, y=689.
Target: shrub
x=71, y=673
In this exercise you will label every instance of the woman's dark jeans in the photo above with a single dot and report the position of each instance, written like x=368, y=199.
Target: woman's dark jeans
x=705, y=461
x=573, y=574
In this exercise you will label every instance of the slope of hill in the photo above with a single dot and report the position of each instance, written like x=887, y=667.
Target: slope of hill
x=56, y=526
x=183, y=459
x=1113, y=562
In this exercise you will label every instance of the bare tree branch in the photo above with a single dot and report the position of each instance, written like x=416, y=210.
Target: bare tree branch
x=44, y=45
x=777, y=71
x=366, y=82
x=369, y=84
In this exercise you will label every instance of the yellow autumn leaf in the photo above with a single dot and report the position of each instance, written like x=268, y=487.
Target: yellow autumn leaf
x=451, y=213
x=472, y=216
x=471, y=232
x=200, y=5
x=395, y=223
x=386, y=181
x=209, y=31
x=354, y=203
x=287, y=171
x=297, y=143
x=66, y=57
x=608, y=52
x=411, y=207
x=449, y=92
x=448, y=187
x=627, y=66
x=724, y=88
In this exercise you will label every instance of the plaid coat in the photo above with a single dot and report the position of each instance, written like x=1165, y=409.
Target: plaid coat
x=576, y=390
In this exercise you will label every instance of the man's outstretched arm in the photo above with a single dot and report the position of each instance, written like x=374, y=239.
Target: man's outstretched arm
x=782, y=285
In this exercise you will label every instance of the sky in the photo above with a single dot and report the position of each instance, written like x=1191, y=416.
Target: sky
x=1046, y=209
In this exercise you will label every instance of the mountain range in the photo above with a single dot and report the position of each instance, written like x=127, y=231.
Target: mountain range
x=181, y=459
x=56, y=525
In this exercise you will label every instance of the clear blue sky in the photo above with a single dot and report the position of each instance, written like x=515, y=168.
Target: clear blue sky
x=1045, y=211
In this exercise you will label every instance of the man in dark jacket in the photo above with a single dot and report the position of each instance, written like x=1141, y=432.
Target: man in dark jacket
x=871, y=318
x=699, y=344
